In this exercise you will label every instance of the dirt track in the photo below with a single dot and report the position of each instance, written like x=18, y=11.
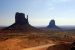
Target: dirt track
x=44, y=47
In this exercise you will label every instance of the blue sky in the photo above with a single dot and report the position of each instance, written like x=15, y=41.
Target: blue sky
x=40, y=11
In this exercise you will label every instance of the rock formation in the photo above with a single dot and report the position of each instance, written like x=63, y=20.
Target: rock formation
x=52, y=24
x=21, y=24
x=20, y=18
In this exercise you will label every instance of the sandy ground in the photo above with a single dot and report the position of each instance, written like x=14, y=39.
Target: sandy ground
x=44, y=47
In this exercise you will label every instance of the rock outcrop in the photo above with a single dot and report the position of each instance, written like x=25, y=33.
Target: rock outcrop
x=21, y=24
x=20, y=18
x=52, y=25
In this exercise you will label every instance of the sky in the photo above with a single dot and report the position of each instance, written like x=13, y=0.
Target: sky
x=40, y=12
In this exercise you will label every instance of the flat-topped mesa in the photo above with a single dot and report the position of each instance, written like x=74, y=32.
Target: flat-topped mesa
x=20, y=18
x=21, y=25
x=52, y=24
x=21, y=22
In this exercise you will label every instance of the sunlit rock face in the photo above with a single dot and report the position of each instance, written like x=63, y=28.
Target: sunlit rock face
x=20, y=18
x=52, y=24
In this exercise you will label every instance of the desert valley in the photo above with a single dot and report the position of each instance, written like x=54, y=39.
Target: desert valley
x=23, y=36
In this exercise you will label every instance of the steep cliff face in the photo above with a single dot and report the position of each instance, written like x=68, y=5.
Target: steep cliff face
x=52, y=24
x=20, y=18
x=21, y=24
